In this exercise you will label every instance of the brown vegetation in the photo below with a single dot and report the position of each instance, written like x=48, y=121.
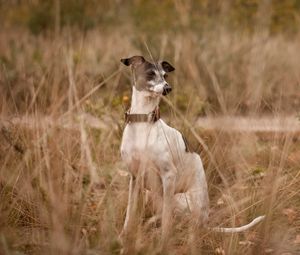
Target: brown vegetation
x=64, y=190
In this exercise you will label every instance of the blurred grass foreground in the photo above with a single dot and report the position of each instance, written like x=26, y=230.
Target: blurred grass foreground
x=63, y=187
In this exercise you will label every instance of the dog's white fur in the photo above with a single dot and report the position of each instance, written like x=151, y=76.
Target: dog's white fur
x=157, y=152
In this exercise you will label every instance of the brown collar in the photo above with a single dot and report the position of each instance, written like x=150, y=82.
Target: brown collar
x=150, y=117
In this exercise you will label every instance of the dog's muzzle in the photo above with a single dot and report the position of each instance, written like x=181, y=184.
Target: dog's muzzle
x=167, y=89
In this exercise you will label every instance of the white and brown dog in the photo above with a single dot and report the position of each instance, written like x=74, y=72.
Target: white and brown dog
x=158, y=153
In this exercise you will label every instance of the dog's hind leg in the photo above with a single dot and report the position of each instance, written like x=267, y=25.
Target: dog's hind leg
x=194, y=203
x=196, y=197
x=192, y=207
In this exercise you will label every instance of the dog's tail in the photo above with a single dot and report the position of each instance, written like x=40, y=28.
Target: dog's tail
x=239, y=229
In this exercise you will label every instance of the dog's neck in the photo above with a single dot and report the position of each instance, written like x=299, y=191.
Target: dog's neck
x=142, y=102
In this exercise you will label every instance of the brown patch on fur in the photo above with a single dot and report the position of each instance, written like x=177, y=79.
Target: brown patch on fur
x=143, y=75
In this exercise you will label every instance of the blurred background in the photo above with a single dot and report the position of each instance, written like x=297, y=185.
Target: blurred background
x=63, y=93
x=236, y=56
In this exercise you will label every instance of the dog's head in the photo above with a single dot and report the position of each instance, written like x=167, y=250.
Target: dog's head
x=148, y=76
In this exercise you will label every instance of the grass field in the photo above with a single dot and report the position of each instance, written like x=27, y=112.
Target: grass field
x=63, y=187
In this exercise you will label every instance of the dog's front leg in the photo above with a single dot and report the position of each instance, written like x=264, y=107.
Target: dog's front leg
x=126, y=236
x=168, y=181
x=131, y=208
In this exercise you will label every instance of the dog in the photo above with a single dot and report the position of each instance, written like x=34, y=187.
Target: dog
x=158, y=156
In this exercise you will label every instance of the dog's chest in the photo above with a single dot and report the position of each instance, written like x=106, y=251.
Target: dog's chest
x=154, y=144
x=142, y=147
x=141, y=140
x=154, y=151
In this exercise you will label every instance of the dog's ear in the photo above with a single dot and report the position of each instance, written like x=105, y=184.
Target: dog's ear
x=167, y=67
x=134, y=61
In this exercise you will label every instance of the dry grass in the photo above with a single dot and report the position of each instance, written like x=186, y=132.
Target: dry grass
x=63, y=191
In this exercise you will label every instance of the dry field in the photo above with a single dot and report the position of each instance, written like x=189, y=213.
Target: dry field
x=63, y=187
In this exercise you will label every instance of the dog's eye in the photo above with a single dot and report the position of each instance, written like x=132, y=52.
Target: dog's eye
x=151, y=73
x=165, y=76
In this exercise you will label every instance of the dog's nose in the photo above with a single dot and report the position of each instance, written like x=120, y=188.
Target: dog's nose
x=167, y=89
